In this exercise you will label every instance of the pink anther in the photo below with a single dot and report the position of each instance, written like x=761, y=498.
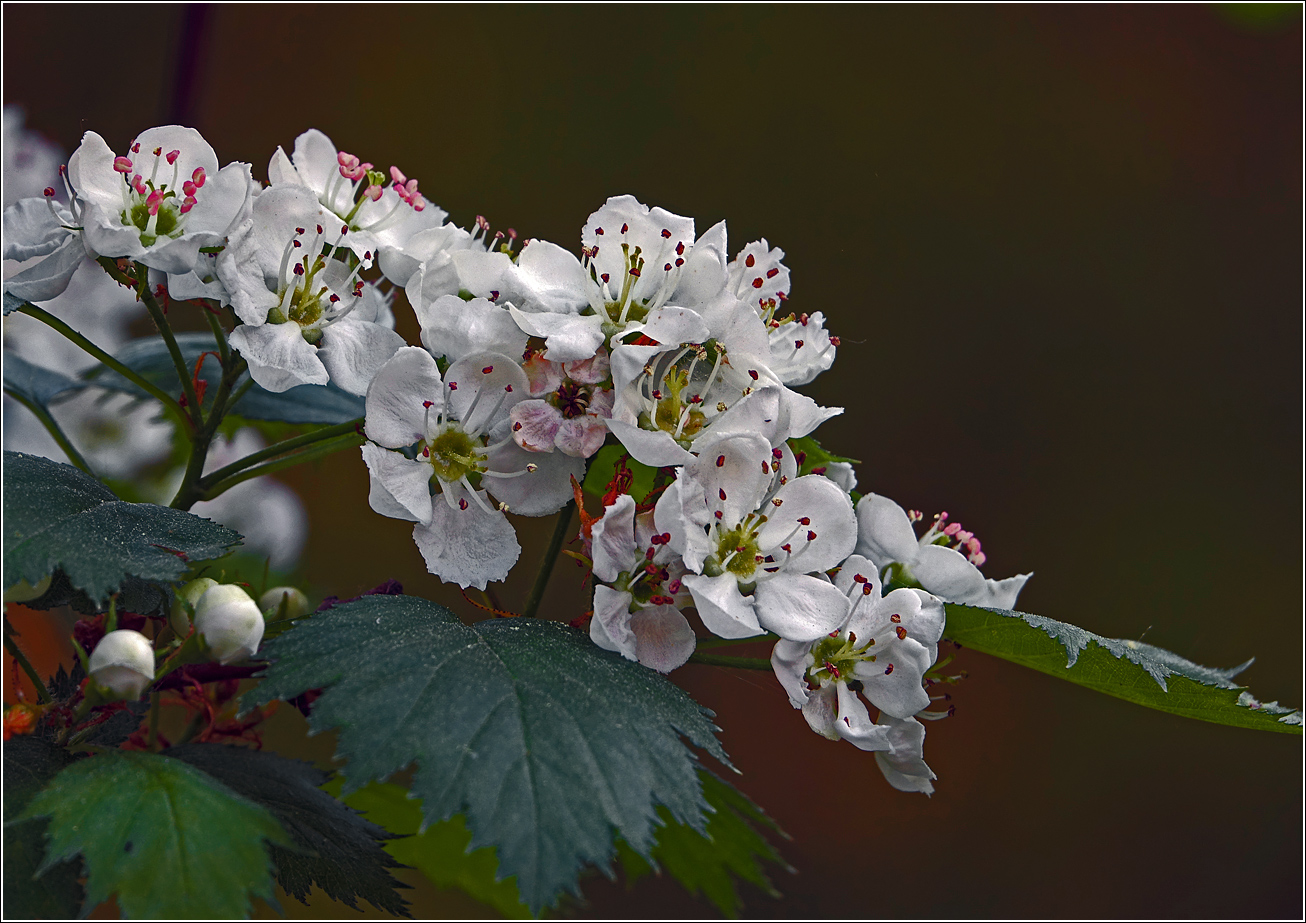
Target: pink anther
x=122, y=164
x=154, y=201
x=198, y=177
x=172, y=157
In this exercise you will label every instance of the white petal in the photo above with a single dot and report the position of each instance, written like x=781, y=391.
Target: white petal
x=854, y=722
x=549, y=278
x=396, y=414
x=581, y=437
x=610, y=627
x=884, y=533
x=535, y=424
x=898, y=692
x=830, y=517
x=682, y=513
x=734, y=475
x=904, y=765
x=51, y=276
x=821, y=711
x=541, y=492
x=798, y=607
x=656, y=449
x=704, y=275
x=31, y=229
x=353, y=351
x=468, y=547
x=790, y=660
x=567, y=336
x=454, y=328
x=663, y=638
x=400, y=487
x=614, y=539
x=499, y=382
x=947, y=573
x=672, y=326
x=279, y=357
x=723, y=609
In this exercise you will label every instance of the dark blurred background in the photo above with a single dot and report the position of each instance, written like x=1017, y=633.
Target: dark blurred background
x=1063, y=248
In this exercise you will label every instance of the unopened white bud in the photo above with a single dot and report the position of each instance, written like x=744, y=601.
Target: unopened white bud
x=229, y=622
x=191, y=592
x=296, y=603
x=122, y=664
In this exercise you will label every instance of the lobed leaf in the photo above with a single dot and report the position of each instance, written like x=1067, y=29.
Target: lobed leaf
x=545, y=742
x=34, y=382
x=440, y=852
x=149, y=357
x=59, y=518
x=29, y=893
x=1130, y=670
x=338, y=850
x=732, y=846
x=169, y=840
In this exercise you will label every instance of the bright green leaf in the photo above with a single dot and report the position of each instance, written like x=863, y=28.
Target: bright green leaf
x=337, y=850
x=1129, y=670
x=603, y=467
x=56, y=517
x=731, y=847
x=440, y=851
x=545, y=742
x=149, y=357
x=170, y=841
x=809, y=455
x=30, y=763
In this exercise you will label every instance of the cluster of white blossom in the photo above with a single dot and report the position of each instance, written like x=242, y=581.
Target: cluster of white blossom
x=531, y=358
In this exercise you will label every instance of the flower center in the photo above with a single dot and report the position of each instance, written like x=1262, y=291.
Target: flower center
x=674, y=397
x=835, y=657
x=453, y=454
x=304, y=299
x=153, y=207
x=572, y=399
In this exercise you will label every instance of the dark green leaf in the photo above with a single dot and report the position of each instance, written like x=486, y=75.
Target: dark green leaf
x=39, y=385
x=30, y=763
x=149, y=358
x=338, y=851
x=440, y=851
x=1129, y=670
x=731, y=847
x=56, y=517
x=809, y=455
x=543, y=740
x=603, y=467
x=170, y=841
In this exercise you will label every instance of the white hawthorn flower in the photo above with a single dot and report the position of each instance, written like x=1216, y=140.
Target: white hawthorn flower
x=934, y=561
x=453, y=431
x=382, y=211
x=308, y=317
x=568, y=408
x=758, y=540
x=122, y=664
x=160, y=201
x=230, y=623
x=638, y=590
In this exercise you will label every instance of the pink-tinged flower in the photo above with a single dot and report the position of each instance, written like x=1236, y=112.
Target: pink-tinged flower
x=935, y=561
x=440, y=444
x=568, y=408
x=135, y=206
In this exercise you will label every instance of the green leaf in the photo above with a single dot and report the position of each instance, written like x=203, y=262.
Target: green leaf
x=603, y=467
x=29, y=763
x=338, y=851
x=440, y=852
x=1129, y=670
x=36, y=383
x=544, y=741
x=56, y=517
x=731, y=847
x=167, y=839
x=149, y=358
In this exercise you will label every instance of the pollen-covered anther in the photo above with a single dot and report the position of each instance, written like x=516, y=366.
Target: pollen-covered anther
x=776, y=501
x=895, y=618
x=462, y=504
x=888, y=669
x=122, y=164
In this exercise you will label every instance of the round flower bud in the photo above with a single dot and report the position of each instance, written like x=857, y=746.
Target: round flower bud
x=191, y=592
x=122, y=664
x=296, y=603
x=229, y=622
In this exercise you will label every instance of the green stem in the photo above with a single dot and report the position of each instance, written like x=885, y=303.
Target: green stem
x=727, y=642
x=41, y=692
x=321, y=450
x=165, y=330
x=743, y=663
x=50, y=320
x=224, y=351
x=191, y=490
x=546, y=562
x=53, y=428
x=280, y=448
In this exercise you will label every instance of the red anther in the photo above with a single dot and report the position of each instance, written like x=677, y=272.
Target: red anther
x=189, y=188
x=832, y=669
x=122, y=164
x=158, y=151
x=757, y=283
x=858, y=578
x=319, y=229
x=721, y=492
x=811, y=536
x=299, y=269
x=895, y=618
x=634, y=271
x=48, y=192
x=776, y=453
x=782, y=296
x=453, y=386
x=487, y=370
x=718, y=514
x=901, y=633
x=598, y=231
x=752, y=373
x=866, y=591
x=172, y=157
x=649, y=555
x=776, y=501
x=498, y=235
x=299, y=230
x=494, y=296
x=655, y=540
x=462, y=504
x=679, y=261
x=367, y=255
x=426, y=451
x=802, y=319
x=651, y=569
x=888, y=669
x=750, y=261
x=772, y=273
x=625, y=228
x=136, y=147
x=667, y=267
x=512, y=234
x=834, y=634
x=345, y=160
x=765, y=469
x=720, y=461
x=798, y=344
x=516, y=427
x=665, y=536
x=657, y=395
x=696, y=399
x=674, y=586
x=154, y=201
x=835, y=341
x=787, y=548
x=666, y=233
x=805, y=521
x=508, y=388
x=344, y=229
x=604, y=277
x=428, y=404
x=138, y=183
x=334, y=298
